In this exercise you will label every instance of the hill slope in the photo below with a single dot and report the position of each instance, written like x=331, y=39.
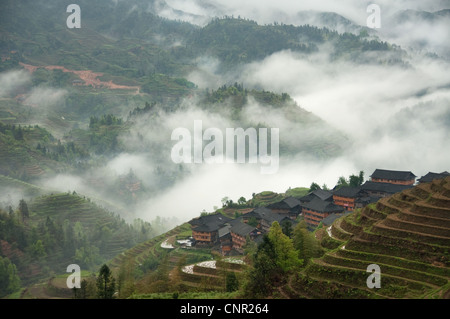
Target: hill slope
x=407, y=235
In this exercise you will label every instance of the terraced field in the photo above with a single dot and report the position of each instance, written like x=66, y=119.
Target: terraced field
x=65, y=206
x=199, y=270
x=407, y=235
x=265, y=198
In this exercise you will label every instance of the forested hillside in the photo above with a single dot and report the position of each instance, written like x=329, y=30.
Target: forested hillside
x=87, y=117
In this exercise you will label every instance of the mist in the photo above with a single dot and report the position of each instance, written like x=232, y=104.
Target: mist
x=394, y=116
x=12, y=82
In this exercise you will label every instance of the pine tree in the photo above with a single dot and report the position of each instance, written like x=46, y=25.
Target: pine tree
x=106, y=283
x=23, y=209
x=232, y=283
x=305, y=243
x=286, y=255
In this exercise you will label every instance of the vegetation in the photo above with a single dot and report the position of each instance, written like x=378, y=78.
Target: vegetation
x=40, y=239
x=107, y=82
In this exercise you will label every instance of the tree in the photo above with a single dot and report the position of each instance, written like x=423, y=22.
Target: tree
x=264, y=273
x=305, y=243
x=23, y=209
x=232, y=283
x=125, y=281
x=287, y=228
x=286, y=255
x=9, y=279
x=106, y=283
x=87, y=290
x=341, y=182
x=87, y=255
x=313, y=187
x=37, y=250
x=225, y=201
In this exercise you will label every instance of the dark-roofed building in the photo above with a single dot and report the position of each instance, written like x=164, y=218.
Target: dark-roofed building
x=316, y=210
x=393, y=177
x=288, y=207
x=347, y=196
x=361, y=202
x=239, y=233
x=205, y=229
x=318, y=193
x=377, y=189
x=225, y=239
x=264, y=217
x=432, y=176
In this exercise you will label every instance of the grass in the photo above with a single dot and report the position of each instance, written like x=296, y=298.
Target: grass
x=297, y=192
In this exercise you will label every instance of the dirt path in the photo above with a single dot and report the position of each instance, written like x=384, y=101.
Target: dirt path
x=88, y=77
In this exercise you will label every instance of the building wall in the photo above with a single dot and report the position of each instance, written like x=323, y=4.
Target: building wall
x=393, y=181
x=238, y=241
x=312, y=217
x=284, y=212
x=345, y=202
x=207, y=237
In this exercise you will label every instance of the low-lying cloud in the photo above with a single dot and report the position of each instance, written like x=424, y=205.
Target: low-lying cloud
x=12, y=82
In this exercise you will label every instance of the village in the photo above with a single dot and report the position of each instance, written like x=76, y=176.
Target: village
x=319, y=207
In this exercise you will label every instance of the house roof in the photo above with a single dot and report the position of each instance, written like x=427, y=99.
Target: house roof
x=384, y=187
x=327, y=221
x=367, y=200
x=347, y=191
x=322, y=206
x=242, y=229
x=288, y=203
x=393, y=175
x=265, y=214
x=323, y=194
x=209, y=223
x=292, y=202
x=432, y=176
x=318, y=193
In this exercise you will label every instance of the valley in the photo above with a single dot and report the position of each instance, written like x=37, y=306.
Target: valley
x=118, y=136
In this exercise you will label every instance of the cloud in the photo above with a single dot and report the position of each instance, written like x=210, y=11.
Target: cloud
x=396, y=117
x=268, y=11
x=11, y=81
x=45, y=96
x=407, y=29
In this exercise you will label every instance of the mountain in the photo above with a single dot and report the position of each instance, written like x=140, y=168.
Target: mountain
x=425, y=31
x=56, y=230
x=329, y=20
x=87, y=117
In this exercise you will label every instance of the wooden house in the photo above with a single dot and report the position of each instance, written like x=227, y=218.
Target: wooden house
x=264, y=218
x=393, y=177
x=316, y=210
x=378, y=189
x=318, y=193
x=205, y=229
x=429, y=177
x=239, y=233
x=346, y=197
x=288, y=207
